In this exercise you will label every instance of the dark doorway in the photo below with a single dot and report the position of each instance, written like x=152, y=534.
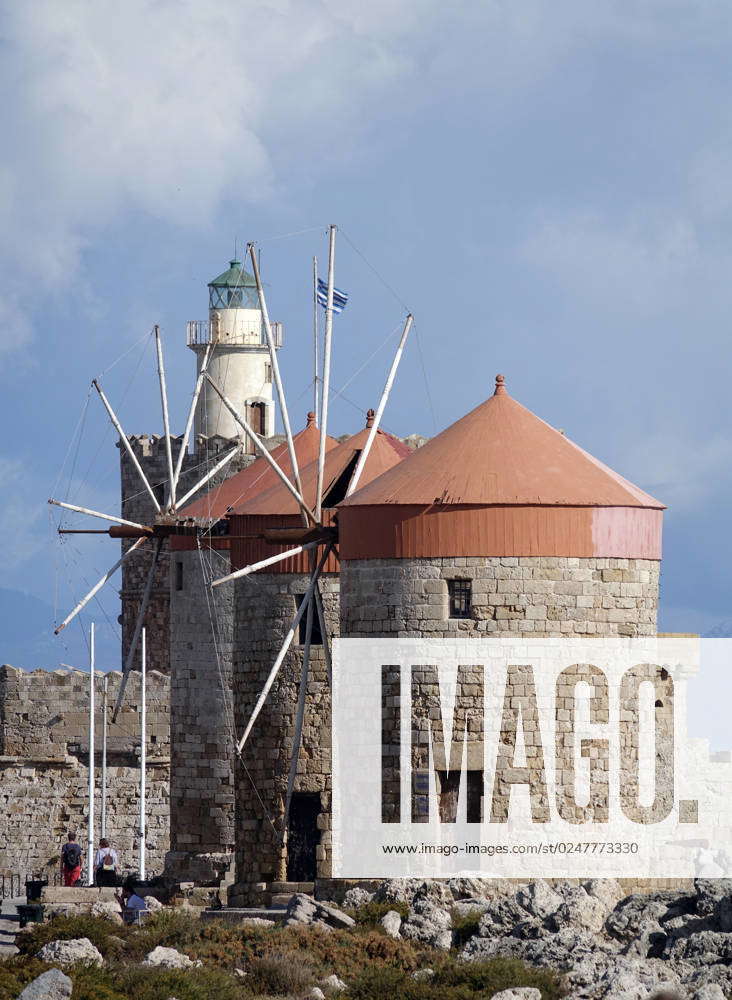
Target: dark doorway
x=256, y=411
x=303, y=836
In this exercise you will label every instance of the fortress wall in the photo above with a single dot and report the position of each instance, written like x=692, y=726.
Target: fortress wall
x=44, y=758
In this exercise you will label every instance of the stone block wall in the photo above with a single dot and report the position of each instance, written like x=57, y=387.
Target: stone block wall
x=44, y=760
x=532, y=596
x=201, y=703
x=265, y=605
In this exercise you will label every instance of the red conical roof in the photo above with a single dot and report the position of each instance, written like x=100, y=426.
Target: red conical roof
x=386, y=452
x=259, y=476
x=501, y=453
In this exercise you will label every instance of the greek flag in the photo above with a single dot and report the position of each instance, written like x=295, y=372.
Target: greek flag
x=339, y=298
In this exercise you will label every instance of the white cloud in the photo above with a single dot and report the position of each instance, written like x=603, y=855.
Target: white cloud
x=166, y=107
x=635, y=264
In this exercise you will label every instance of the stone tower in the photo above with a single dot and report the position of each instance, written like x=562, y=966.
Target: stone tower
x=500, y=525
x=201, y=647
x=265, y=604
x=240, y=361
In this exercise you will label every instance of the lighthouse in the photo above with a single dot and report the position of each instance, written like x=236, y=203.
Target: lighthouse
x=233, y=343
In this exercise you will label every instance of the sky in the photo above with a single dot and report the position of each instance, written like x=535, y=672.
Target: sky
x=547, y=187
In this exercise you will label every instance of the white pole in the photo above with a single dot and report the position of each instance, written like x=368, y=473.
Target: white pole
x=143, y=760
x=326, y=373
x=283, y=651
x=96, y=513
x=316, y=363
x=275, y=368
x=90, y=838
x=103, y=823
x=98, y=586
x=209, y=475
x=363, y=457
x=299, y=717
x=138, y=630
x=166, y=417
x=269, y=561
x=126, y=444
x=263, y=451
x=191, y=415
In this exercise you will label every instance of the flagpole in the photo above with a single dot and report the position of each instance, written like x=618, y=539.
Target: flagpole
x=326, y=371
x=90, y=839
x=316, y=402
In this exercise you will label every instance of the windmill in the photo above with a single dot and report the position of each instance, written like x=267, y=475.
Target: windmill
x=316, y=537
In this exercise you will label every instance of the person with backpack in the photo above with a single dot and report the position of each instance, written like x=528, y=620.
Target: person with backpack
x=71, y=861
x=105, y=864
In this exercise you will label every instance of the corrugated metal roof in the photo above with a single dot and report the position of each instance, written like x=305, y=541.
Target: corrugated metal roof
x=502, y=453
x=386, y=452
x=259, y=476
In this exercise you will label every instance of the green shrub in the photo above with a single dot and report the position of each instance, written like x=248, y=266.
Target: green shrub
x=16, y=973
x=495, y=975
x=141, y=983
x=280, y=974
x=371, y=913
x=465, y=926
x=167, y=928
x=97, y=929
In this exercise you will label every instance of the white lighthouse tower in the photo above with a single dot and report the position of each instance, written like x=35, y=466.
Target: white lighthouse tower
x=239, y=361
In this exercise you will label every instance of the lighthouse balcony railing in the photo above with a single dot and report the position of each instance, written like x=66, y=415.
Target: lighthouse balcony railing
x=236, y=333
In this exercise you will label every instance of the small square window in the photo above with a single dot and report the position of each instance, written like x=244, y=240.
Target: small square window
x=267, y=371
x=459, y=598
x=316, y=638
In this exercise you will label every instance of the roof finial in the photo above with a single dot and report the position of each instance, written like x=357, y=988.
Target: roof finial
x=370, y=414
x=500, y=385
x=311, y=419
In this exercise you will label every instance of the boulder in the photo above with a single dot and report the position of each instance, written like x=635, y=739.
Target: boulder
x=423, y=975
x=621, y=978
x=505, y=915
x=566, y=950
x=168, y=958
x=429, y=924
x=701, y=949
x=304, y=909
x=357, y=897
x=397, y=890
x=470, y=907
x=51, y=985
x=538, y=899
x=332, y=984
x=472, y=888
x=607, y=890
x=153, y=905
x=638, y=914
x=581, y=911
x=518, y=993
x=392, y=922
x=70, y=952
x=316, y=993
x=709, y=992
x=107, y=911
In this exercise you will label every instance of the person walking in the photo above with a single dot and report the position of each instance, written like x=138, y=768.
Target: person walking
x=71, y=861
x=106, y=863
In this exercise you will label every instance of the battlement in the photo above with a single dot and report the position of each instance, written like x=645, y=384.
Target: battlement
x=151, y=446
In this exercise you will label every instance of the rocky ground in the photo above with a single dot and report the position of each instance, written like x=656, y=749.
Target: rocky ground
x=411, y=939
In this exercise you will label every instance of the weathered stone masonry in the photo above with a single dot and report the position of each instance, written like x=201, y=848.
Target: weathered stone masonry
x=536, y=596
x=265, y=605
x=44, y=760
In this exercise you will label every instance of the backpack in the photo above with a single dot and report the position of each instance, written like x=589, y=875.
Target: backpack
x=108, y=862
x=72, y=855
